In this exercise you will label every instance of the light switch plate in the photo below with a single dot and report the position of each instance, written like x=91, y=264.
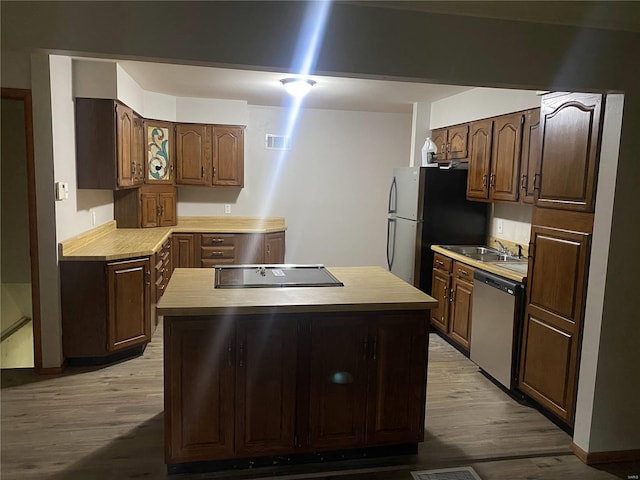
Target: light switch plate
x=227, y=208
x=62, y=190
x=500, y=225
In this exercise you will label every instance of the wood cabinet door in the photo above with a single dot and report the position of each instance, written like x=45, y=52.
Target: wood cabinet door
x=440, y=286
x=193, y=154
x=274, y=247
x=530, y=158
x=199, y=390
x=184, y=250
x=571, y=125
x=124, y=149
x=397, y=373
x=338, y=382
x=480, y=142
x=505, y=157
x=149, y=209
x=129, y=303
x=556, y=287
x=159, y=150
x=228, y=156
x=460, y=328
x=439, y=137
x=457, y=142
x=168, y=215
x=265, y=386
x=137, y=152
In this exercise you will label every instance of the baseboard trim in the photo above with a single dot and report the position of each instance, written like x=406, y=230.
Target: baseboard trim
x=52, y=370
x=592, y=458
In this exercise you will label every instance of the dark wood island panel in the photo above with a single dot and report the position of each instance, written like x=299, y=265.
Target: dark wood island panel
x=246, y=377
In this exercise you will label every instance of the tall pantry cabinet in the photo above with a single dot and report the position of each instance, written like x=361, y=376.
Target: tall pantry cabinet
x=561, y=231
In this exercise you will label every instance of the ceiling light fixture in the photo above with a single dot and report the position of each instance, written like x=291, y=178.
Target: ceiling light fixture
x=298, y=87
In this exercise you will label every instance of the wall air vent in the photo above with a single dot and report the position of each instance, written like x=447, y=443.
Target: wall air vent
x=277, y=142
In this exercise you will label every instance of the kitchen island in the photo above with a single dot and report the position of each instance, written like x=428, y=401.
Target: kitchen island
x=297, y=372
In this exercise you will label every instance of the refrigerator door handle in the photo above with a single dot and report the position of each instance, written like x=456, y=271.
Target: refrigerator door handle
x=393, y=197
x=391, y=241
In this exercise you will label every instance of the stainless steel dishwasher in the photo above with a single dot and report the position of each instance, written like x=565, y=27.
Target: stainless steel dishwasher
x=495, y=326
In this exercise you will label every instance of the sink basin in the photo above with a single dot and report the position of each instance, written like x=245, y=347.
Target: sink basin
x=520, y=267
x=483, y=254
x=470, y=249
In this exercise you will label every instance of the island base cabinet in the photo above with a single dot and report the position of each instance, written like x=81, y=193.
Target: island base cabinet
x=199, y=389
x=230, y=388
x=364, y=381
x=250, y=386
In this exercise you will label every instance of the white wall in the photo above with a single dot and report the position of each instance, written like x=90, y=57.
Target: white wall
x=331, y=187
x=94, y=79
x=420, y=130
x=211, y=110
x=158, y=106
x=129, y=92
x=516, y=222
x=73, y=215
x=480, y=103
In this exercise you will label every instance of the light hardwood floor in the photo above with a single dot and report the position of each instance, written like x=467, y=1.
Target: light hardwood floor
x=106, y=423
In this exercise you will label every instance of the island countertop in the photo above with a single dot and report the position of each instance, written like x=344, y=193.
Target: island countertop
x=192, y=292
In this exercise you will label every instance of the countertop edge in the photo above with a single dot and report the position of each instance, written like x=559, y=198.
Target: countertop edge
x=486, y=266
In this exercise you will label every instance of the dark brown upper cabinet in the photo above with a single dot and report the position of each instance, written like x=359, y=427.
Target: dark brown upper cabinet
x=109, y=149
x=571, y=136
x=530, y=158
x=452, y=142
x=193, y=154
x=228, y=156
x=480, y=139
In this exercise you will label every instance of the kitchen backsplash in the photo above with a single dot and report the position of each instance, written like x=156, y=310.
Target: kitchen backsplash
x=516, y=225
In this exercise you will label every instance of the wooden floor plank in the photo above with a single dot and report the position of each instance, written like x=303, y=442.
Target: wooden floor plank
x=107, y=423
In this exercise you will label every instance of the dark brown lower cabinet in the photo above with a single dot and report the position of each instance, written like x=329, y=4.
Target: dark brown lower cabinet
x=184, y=250
x=556, y=288
x=260, y=385
x=106, y=306
x=460, y=317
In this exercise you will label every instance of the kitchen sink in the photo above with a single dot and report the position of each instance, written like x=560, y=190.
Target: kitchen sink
x=470, y=249
x=484, y=254
x=520, y=267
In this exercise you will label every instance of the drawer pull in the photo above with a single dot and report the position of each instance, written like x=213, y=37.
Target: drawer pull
x=464, y=272
x=217, y=240
x=217, y=254
x=439, y=262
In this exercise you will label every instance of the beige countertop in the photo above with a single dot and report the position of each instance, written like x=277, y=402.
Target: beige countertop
x=191, y=292
x=487, y=266
x=108, y=243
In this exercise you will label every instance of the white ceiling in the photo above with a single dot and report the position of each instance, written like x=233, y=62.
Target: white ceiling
x=264, y=88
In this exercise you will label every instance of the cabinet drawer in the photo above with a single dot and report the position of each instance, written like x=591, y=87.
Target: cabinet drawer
x=218, y=252
x=218, y=240
x=463, y=271
x=442, y=263
x=213, y=263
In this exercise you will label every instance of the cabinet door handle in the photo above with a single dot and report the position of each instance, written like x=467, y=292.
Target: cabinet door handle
x=217, y=254
x=217, y=240
x=492, y=180
x=375, y=347
x=484, y=180
x=464, y=272
x=229, y=353
x=158, y=211
x=440, y=262
x=241, y=354
x=536, y=181
x=451, y=295
x=365, y=347
x=523, y=182
x=148, y=275
x=202, y=172
x=133, y=170
x=445, y=290
x=214, y=172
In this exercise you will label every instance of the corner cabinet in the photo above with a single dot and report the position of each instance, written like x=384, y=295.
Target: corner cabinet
x=146, y=206
x=571, y=135
x=105, y=307
x=109, y=144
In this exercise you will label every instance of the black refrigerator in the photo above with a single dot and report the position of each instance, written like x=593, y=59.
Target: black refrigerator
x=429, y=206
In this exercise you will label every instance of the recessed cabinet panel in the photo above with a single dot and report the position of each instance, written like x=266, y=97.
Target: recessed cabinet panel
x=530, y=159
x=461, y=314
x=338, y=382
x=480, y=140
x=265, y=387
x=570, y=151
x=457, y=138
x=228, y=156
x=557, y=263
x=546, y=366
x=505, y=172
x=193, y=154
x=200, y=409
x=440, y=291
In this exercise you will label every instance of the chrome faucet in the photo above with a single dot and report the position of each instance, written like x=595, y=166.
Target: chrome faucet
x=502, y=248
